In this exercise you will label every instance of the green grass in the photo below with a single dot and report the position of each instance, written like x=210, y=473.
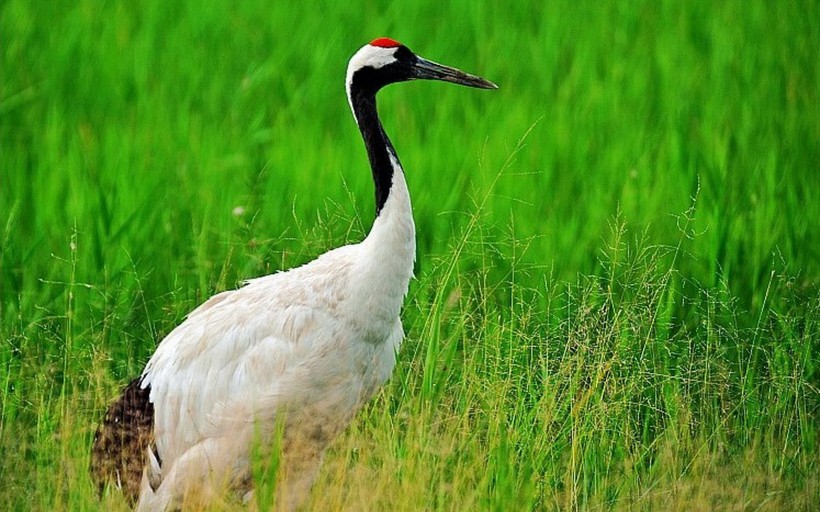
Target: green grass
x=617, y=303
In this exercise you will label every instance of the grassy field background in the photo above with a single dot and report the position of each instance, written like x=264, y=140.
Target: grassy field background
x=617, y=303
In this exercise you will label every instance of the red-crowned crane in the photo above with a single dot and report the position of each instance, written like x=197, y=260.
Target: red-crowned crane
x=294, y=353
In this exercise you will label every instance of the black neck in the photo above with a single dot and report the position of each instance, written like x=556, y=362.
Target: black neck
x=379, y=148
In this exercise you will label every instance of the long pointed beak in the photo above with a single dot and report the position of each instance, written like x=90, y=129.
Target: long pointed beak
x=429, y=70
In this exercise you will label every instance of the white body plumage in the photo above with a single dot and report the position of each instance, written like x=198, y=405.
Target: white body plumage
x=316, y=342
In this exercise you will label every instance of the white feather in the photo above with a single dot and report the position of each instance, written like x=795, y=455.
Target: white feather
x=371, y=56
x=315, y=342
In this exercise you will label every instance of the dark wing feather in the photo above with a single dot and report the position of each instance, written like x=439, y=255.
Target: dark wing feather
x=118, y=454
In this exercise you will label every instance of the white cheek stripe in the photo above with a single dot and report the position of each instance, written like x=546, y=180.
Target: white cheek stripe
x=373, y=56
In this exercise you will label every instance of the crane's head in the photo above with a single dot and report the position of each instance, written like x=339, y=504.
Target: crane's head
x=385, y=61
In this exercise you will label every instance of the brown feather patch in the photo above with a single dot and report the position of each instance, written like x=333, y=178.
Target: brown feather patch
x=118, y=454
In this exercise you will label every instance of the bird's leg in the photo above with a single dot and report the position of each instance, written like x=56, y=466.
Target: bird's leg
x=200, y=476
x=300, y=473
